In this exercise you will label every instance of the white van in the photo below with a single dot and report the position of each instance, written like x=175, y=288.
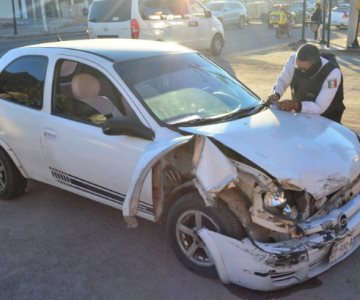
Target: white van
x=183, y=21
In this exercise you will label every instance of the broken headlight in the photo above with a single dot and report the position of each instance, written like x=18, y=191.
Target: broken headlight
x=276, y=203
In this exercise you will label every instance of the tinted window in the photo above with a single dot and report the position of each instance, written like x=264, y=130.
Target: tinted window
x=22, y=81
x=84, y=94
x=110, y=11
x=216, y=6
x=162, y=9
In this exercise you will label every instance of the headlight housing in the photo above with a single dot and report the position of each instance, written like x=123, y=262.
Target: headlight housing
x=277, y=203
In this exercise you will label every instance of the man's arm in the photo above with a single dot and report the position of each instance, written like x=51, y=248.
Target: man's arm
x=326, y=95
x=285, y=76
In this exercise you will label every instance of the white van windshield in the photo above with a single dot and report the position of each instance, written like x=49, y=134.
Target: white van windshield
x=110, y=11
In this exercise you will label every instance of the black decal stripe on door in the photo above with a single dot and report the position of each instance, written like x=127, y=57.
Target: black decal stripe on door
x=95, y=189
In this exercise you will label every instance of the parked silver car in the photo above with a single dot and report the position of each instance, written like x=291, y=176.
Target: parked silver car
x=229, y=12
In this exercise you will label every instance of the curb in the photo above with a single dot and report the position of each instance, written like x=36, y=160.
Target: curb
x=45, y=34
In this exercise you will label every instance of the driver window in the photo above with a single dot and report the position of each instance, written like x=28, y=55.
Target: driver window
x=84, y=94
x=196, y=9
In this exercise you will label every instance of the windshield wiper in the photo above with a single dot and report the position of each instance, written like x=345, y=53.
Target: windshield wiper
x=237, y=112
x=244, y=112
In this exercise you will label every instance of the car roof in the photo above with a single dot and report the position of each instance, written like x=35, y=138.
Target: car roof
x=118, y=50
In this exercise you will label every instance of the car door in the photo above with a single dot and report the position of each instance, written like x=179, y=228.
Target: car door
x=178, y=21
x=200, y=26
x=22, y=84
x=80, y=157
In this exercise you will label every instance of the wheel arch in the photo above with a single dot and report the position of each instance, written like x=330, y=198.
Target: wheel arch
x=8, y=150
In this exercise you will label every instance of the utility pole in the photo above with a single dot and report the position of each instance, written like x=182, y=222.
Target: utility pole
x=14, y=17
x=329, y=25
x=303, y=40
x=322, y=41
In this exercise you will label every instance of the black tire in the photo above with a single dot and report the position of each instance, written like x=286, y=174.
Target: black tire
x=183, y=214
x=12, y=183
x=217, y=44
x=242, y=22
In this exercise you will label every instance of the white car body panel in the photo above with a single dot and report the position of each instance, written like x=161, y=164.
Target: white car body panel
x=310, y=137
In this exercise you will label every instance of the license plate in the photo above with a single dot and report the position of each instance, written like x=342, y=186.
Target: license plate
x=340, y=248
x=276, y=25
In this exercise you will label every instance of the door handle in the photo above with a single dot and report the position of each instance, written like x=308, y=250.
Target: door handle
x=193, y=23
x=49, y=133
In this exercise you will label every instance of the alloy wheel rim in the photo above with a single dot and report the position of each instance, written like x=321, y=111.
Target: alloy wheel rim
x=187, y=226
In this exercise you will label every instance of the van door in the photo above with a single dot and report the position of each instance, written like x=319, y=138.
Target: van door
x=200, y=26
x=110, y=19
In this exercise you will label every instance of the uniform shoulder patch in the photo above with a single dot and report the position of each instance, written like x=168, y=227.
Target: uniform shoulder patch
x=332, y=83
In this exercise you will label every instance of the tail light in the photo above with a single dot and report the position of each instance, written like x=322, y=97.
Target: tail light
x=135, y=29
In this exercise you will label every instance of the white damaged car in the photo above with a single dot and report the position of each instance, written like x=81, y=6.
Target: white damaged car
x=261, y=198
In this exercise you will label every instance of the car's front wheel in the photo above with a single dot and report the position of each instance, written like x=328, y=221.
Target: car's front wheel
x=187, y=216
x=12, y=183
x=217, y=44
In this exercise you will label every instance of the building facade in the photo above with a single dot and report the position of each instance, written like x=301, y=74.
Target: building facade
x=30, y=9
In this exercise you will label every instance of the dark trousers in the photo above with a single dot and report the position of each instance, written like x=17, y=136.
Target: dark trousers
x=316, y=32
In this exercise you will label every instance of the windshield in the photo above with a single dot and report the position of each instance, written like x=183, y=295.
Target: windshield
x=178, y=88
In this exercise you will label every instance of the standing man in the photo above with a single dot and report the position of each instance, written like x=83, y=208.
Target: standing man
x=316, y=19
x=316, y=84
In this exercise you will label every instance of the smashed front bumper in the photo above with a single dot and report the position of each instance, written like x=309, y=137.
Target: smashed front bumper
x=266, y=267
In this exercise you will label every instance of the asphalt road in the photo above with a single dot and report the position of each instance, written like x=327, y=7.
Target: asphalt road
x=56, y=245
x=254, y=36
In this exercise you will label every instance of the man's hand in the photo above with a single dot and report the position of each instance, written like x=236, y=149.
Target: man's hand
x=273, y=99
x=289, y=105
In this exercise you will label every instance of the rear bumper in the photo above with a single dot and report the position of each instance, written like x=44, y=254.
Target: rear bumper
x=266, y=267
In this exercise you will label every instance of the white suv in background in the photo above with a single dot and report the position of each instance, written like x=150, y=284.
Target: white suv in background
x=185, y=22
x=229, y=12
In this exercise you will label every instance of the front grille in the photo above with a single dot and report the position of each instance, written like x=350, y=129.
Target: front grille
x=277, y=277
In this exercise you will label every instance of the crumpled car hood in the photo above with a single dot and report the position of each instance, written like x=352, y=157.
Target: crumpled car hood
x=305, y=151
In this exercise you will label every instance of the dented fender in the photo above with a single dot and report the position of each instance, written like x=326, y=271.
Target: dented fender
x=212, y=171
x=150, y=157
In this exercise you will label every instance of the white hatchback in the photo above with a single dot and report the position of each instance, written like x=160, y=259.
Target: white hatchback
x=184, y=22
x=257, y=196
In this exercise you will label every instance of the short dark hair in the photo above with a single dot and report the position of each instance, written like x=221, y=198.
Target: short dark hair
x=308, y=52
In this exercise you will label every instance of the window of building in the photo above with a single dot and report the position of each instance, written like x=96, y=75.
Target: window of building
x=22, y=81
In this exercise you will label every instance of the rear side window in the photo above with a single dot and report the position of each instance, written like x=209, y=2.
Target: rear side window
x=22, y=81
x=110, y=11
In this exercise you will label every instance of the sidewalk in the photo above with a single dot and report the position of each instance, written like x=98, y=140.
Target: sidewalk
x=259, y=70
x=55, y=25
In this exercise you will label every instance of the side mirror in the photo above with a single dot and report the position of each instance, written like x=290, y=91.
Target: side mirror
x=127, y=126
x=208, y=14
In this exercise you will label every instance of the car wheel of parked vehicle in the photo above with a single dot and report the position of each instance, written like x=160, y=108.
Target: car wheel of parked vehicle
x=12, y=183
x=188, y=215
x=242, y=22
x=217, y=44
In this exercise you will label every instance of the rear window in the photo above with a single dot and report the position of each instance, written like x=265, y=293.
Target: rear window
x=110, y=11
x=216, y=6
